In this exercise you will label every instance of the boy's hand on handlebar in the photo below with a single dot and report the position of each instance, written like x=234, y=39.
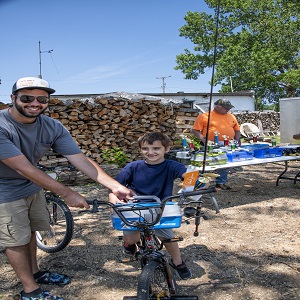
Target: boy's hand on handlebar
x=123, y=193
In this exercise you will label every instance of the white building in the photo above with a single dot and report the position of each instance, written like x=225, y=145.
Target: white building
x=242, y=101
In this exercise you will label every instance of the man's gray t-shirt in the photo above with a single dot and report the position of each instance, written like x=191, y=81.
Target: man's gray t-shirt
x=32, y=140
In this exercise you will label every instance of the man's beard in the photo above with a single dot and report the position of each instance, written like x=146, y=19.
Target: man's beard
x=22, y=111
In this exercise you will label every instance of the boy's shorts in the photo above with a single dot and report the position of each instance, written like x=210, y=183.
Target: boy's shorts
x=18, y=219
x=164, y=233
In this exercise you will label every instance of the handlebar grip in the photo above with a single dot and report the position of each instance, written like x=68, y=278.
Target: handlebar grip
x=200, y=192
x=90, y=202
x=98, y=202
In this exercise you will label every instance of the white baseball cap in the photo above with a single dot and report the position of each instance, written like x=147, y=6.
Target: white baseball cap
x=30, y=83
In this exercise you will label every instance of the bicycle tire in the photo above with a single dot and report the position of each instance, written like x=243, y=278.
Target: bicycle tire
x=154, y=283
x=61, y=226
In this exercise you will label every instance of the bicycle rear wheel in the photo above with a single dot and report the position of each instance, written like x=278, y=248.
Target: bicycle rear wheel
x=155, y=282
x=61, y=226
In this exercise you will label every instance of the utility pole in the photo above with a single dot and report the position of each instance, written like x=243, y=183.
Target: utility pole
x=163, y=82
x=40, y=56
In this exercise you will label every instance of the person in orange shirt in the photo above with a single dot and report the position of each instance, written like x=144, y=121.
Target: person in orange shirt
x=221, y=121
x=225, y=124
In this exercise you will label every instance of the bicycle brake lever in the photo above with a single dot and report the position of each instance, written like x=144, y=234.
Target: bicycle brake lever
x=93, y=210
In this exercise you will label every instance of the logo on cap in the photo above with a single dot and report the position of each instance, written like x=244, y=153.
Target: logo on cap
x=32, y=83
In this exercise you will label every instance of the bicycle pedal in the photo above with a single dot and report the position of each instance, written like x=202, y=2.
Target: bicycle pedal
x=127, y=260
x=177, y=239
x=124, y=260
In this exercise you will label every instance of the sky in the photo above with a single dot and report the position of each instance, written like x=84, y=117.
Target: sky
x=99, y=46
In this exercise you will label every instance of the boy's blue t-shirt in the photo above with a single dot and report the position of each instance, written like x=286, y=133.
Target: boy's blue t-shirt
x=145, y=179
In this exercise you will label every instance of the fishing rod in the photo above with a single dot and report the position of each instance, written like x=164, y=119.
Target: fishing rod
x=212, y=84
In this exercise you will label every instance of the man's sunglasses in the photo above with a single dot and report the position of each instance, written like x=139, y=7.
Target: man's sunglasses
x=29, y=99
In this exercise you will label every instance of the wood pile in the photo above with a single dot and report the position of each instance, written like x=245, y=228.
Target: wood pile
x=101, y=123
x=270, y=121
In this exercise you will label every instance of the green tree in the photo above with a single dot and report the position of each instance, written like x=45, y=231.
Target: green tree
x=258, y=47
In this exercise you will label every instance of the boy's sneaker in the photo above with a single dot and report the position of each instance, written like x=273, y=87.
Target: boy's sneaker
x=182, y=270
x=129, y=249
x=39, y=294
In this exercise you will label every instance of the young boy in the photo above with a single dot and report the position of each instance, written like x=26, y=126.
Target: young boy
x=153, y=176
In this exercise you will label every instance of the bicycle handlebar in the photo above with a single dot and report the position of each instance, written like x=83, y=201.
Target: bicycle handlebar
x=183, y=195
x=154, y=209
x=150, y=197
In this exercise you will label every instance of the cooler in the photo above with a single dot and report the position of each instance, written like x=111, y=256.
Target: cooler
x=267, y=153
x=239, y=155
x=171, y=217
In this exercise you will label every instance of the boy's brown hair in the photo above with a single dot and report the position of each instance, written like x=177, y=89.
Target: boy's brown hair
x=151, y=137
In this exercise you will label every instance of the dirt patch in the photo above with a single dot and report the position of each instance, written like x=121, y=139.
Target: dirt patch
x=250, y=250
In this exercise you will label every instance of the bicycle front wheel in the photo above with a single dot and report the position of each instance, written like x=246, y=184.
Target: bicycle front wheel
x=61, y=226
x=155, y=282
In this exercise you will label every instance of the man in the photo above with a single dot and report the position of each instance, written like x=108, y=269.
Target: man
x=25, y=136
x=225, y=124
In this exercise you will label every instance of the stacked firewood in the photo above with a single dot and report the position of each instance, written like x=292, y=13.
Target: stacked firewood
x=267, y=121
x=101, y=123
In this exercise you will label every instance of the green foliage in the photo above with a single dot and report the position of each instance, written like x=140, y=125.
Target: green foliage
x=115, y=156
x=257, y=47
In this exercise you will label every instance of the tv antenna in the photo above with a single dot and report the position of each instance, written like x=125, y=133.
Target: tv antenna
x=40, y=56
